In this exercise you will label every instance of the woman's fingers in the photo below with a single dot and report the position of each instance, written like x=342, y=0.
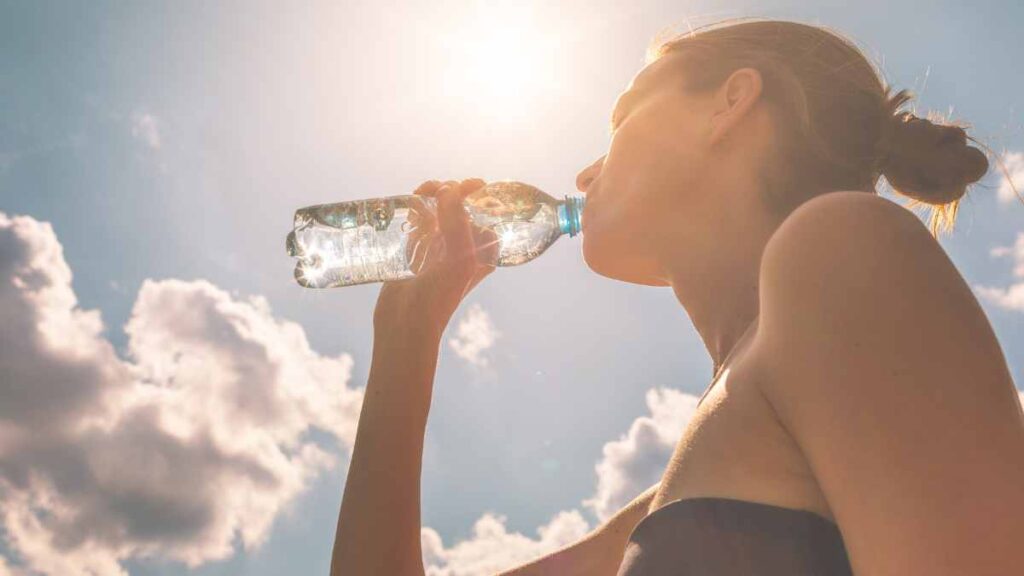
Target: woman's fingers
x=428, y=188
x=455, y=226
x=416, y=249
x=485, y=243
x=453, y=218
x=470, y=185
x=474, y=250
x=421, y=218
x=422, y=226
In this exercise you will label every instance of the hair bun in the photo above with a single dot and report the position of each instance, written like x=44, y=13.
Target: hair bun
x=930, y=162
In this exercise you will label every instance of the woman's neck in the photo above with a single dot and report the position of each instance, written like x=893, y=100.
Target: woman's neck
x=715, y=276
x=721, y=308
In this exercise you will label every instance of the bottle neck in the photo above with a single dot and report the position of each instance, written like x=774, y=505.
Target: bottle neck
x=570, y=215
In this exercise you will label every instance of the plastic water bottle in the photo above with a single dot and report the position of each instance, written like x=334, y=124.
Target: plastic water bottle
x=381, y=239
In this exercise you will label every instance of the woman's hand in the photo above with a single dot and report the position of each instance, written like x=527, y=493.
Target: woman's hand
x=450, y=256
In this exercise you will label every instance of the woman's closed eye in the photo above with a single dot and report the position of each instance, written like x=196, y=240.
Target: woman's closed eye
x=615, y=120
x=613, y=124
x=621, y=110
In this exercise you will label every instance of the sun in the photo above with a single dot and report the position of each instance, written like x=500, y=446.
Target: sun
x=500, y=63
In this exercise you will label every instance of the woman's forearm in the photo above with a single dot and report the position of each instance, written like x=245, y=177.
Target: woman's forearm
x=379, y=524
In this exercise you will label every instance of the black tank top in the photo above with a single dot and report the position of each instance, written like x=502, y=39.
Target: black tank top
x=712, y=536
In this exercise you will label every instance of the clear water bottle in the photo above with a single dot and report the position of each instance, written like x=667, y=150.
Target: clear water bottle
x=381, y=239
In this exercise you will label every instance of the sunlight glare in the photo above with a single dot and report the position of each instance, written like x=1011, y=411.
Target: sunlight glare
x=500, y=63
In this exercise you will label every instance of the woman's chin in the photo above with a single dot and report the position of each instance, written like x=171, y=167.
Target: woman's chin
x=618, y=264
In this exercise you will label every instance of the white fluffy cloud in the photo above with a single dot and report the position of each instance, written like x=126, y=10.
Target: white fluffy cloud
x=1015, y=166
x=1012, y=296
x=5, y=568
x=637, y=460
x=492, y=549
x=629, y=465
x=475, y=334
x=193, y=443
x=146, y=129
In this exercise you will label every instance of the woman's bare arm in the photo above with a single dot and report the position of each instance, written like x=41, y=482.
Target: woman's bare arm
x=379, y=524
x=378, y=528
x=600, y=552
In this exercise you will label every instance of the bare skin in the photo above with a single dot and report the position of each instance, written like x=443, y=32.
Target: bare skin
x=859, y=379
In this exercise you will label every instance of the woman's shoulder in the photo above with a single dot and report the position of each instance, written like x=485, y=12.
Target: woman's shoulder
x=847, y=213
x=873, y=351
x=854, y=237
x=848, y=257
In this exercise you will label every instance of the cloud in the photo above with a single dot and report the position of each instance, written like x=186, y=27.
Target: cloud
x=492, y=548
x=637, y=460
x=146, y=129
x=1014, y=162
x=1016, y=252
x=1012, y=296
x=475, y=335
x=193, y=443
x=629, y=466
x=5, y=568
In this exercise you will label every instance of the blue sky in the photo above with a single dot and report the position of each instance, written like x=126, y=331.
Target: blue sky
x=171, y=143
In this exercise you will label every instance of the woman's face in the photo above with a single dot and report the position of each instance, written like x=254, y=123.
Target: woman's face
x=639, y=192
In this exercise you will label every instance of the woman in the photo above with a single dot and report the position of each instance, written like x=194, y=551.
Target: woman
x=870, y=422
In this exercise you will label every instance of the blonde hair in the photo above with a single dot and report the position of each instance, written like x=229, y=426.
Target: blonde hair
x=843, y=124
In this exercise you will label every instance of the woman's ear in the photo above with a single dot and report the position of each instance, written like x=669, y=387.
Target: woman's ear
x=733, y=100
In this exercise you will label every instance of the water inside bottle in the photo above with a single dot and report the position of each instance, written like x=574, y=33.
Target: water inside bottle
x=356, y=242
x=521, y=240
x=383, y=239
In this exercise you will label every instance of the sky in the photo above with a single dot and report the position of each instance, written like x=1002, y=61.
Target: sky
x=172, y=402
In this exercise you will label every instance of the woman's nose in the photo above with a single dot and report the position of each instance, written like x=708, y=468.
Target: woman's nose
x=587, y=175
